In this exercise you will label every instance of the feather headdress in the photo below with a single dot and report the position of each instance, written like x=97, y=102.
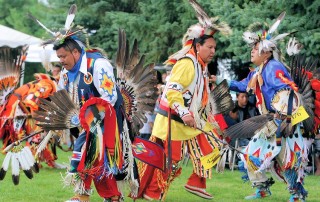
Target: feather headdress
x=69, y=30
x=206, y=26
x=268, y=43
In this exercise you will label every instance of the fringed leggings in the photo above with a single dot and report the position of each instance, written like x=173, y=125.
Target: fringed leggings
x=291, y=154
x=154, y=182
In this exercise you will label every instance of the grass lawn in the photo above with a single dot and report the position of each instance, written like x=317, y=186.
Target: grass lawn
x=227, y=186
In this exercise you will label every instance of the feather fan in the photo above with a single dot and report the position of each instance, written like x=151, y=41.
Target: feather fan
x=247, y=128
x=60, y=113
x=222, y=98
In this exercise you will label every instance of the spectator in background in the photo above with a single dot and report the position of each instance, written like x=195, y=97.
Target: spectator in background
x=55, y=71
x=242, y=111
x=145, y=131
x=245, y=111
x=164, y=77
x=232, y=117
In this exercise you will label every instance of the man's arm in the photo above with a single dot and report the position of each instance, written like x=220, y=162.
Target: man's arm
x=181, y=77
x=241, y=86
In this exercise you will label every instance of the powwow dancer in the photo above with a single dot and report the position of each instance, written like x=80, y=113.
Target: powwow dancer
x=16, y=107
x=86, y=74
x=102, y=152
x=277, y=132
x=187, y=101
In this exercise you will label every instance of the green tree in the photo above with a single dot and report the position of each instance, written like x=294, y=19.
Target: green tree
x=14, y=14
x=159, y=25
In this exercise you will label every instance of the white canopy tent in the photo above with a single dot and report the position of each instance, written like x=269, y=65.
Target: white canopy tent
x=13, y=38
x=36, y=53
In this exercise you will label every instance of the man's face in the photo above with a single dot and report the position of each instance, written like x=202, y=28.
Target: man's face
x=68, y=58
x=257, y=58
x=242, y=99
x=207, y=50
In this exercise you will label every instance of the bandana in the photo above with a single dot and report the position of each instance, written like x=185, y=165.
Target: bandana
x=73, y=73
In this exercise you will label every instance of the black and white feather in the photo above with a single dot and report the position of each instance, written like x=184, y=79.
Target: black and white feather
x=275, y=25
x=66, y=31
x=70, y=17
x=293, y=46
x=20, y=158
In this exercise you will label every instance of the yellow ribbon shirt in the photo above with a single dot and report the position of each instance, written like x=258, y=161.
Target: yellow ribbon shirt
x=183, y=73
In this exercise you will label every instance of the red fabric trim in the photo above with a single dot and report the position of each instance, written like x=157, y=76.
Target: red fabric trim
x=221, y=122
x=309, y=74
x=259, y=95
x=280, y=75
x=317, y=95
x=166, y=108
x=189, y=42
x=315, y=84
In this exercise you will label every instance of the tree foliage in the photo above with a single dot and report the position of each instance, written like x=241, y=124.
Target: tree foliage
x=14, y=14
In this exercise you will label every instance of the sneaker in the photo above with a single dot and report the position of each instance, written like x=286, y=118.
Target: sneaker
x=198, y=191
x=79, y=198
x=258, y=195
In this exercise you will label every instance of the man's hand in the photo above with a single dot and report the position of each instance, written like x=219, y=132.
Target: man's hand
x=189, y=121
